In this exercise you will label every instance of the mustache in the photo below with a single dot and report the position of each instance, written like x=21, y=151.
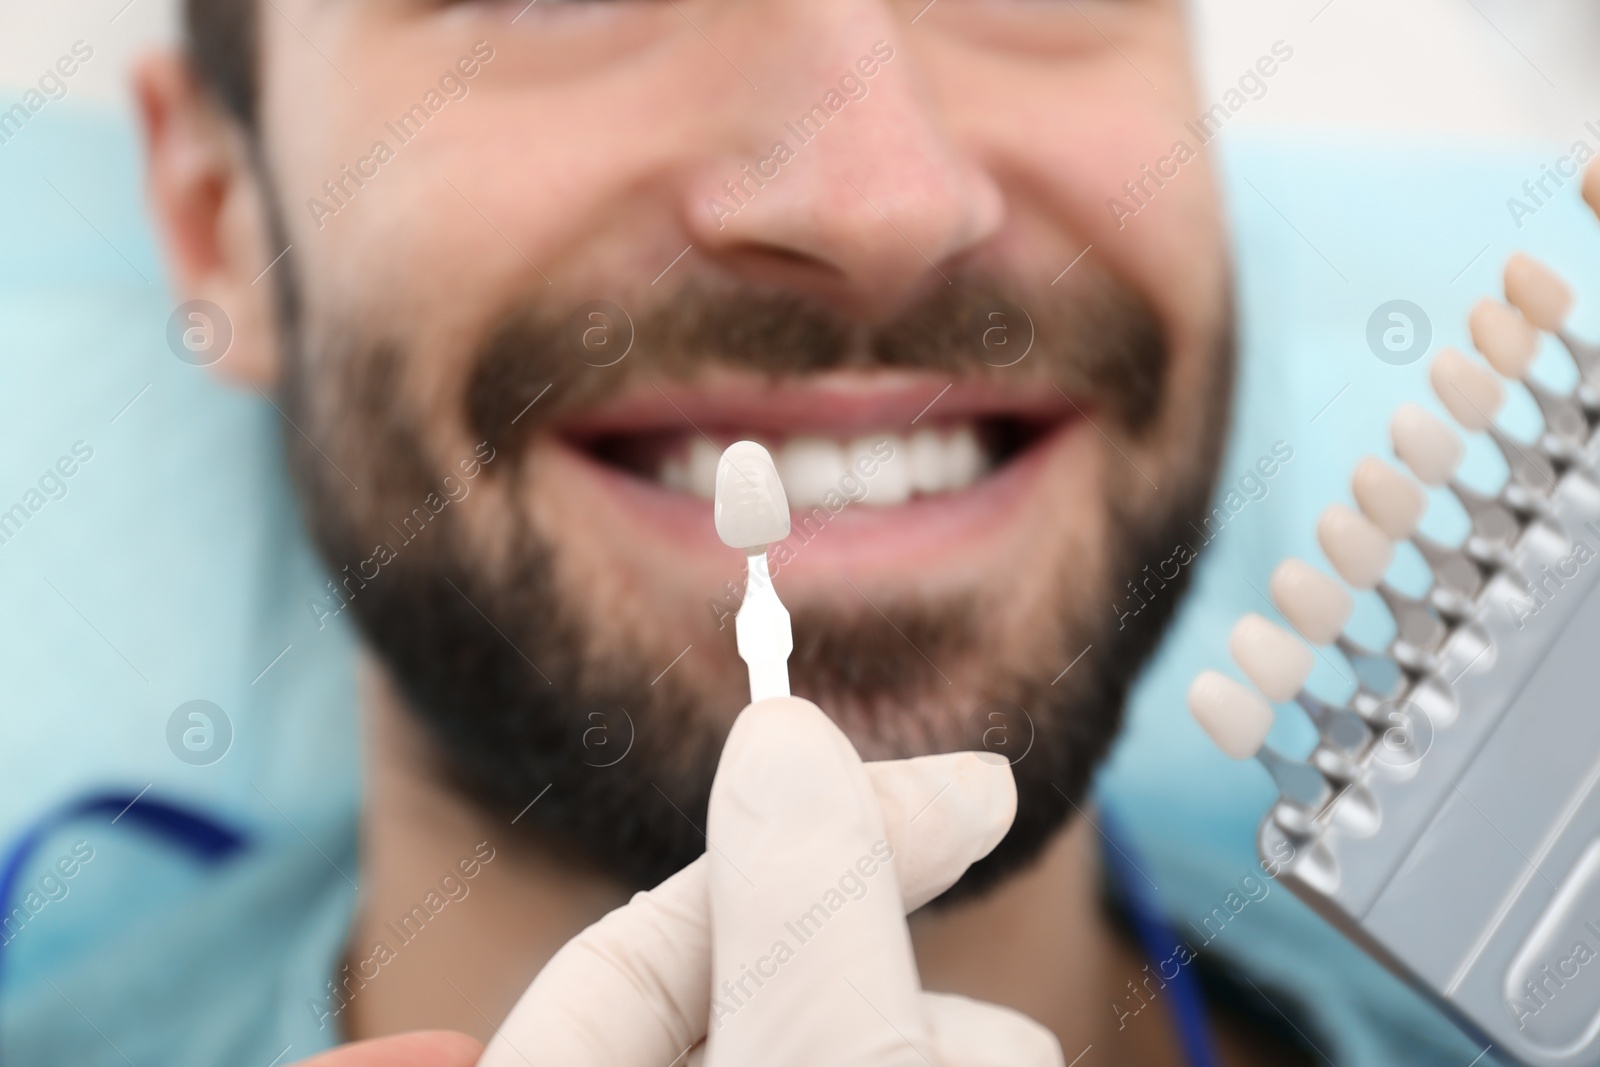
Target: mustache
x=1099, y=341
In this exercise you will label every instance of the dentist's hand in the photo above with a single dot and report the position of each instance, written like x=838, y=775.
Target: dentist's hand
x=789, y=935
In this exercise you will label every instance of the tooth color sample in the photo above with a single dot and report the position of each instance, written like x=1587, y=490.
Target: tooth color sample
x=1507, y=340
x=1233, y=715
x=1270, y=656
x=1314, y=604
x=1425, y=444
x=751, y=509
x=1356, y=548
x=1591, y=187
x=1537, y=291
x=1392, y=501
x=1470, y=393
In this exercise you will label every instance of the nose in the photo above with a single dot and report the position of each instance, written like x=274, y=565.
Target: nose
x=836, y=175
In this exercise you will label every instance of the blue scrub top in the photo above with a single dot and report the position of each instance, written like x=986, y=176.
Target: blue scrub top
x=170, y=567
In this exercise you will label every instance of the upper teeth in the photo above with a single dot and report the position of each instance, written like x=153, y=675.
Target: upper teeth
x=881, y=469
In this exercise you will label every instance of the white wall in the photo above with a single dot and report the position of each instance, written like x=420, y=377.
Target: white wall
x=1521, y=68
x=1516, y=68
x=34, y=33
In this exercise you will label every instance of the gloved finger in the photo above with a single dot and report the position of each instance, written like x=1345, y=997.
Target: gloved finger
x=969, y=1033
x=634, y=988
x=810, y=955
x=942, y=813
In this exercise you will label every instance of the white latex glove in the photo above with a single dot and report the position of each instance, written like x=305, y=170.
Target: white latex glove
x=794, y=814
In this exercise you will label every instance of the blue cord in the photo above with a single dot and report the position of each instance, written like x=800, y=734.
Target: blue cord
x=1159, y=943
x=203, y=838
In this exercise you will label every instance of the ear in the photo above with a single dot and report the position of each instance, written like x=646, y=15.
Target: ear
x=208, y=208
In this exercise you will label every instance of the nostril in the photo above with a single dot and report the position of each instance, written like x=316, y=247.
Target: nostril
x=788, y=256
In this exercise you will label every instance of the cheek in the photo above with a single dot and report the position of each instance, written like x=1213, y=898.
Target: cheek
x=1062, y=185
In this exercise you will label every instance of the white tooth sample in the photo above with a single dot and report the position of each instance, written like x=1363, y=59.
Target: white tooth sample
x=1356, y=548
x=1392, y=501
x=1470, y=393
x=1538, y=292
x=1314, y=604
x=925, y=453
x=1425, y=444
x=811, y=468
x=701, y=469
x=1270, y=656
x=1232, y=714
x=751, y=509
x=890, y=483
x=1507, y=340
x=963, y=458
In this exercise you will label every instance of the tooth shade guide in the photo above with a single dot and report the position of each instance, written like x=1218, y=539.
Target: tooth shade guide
x=1425, y=444
x=1421, y=852
x=1391, y=500
x=1471, y=393
x=1316, y=605
x=1542, y=295
x=1357, y=549
x=1506, y=339
x=1234, y=716
x=1277, y=662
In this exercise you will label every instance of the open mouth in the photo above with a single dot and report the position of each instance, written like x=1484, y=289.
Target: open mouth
x=876, y=444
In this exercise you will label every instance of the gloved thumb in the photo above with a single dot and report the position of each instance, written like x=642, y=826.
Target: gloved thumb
x=634, y=988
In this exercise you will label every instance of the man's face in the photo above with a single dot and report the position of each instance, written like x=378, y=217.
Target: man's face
x=547, y=261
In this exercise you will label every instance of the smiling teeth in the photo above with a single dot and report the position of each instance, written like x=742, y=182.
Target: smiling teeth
x=880, y=469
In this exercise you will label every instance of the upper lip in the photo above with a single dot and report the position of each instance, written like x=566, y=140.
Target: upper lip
x=831, y=405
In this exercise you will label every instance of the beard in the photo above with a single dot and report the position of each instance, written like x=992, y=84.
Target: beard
x=527, y=691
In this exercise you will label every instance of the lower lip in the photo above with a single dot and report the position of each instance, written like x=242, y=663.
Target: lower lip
x=924, y=531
